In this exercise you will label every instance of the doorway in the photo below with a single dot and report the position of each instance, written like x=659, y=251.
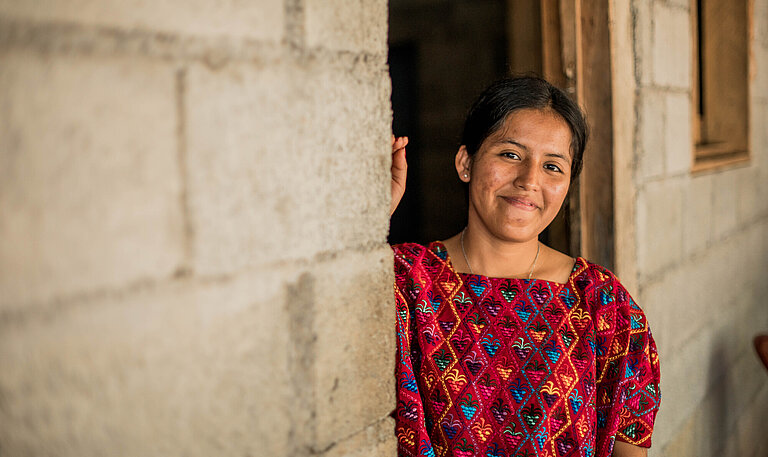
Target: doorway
x=441, y=55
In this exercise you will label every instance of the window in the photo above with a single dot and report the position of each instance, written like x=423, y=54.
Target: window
x=720, y=82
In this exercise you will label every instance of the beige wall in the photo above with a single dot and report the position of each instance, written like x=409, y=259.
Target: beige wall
x=193, y=212
x=700, y=244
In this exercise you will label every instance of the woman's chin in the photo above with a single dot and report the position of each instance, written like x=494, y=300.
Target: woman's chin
x=517, y=235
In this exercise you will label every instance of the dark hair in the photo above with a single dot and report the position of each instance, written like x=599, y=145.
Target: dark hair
x=508, y=95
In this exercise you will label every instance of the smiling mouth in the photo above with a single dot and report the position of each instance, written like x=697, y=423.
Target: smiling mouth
x=521, y=203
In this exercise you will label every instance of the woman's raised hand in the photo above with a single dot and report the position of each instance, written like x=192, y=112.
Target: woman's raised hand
x=399, y=171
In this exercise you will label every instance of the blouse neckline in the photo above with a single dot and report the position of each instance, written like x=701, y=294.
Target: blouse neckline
x=437, y=246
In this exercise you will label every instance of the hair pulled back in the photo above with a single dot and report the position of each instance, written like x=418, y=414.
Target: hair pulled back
x=504, y=97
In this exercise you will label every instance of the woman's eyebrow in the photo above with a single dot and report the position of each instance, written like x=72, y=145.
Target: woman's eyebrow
x=561, y=156
x=513, y=142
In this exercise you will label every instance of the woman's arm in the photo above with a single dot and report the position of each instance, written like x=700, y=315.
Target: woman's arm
x=622, y=449
x=399, y=171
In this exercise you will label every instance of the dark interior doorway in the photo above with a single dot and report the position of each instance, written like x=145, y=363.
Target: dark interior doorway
x=441, y=55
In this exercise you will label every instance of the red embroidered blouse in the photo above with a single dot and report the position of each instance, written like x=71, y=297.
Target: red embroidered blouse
x=511, y=367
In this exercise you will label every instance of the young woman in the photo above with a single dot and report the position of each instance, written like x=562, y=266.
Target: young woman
x=507, y=347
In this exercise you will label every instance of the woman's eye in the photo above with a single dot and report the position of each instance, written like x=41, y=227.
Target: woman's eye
x=511, y=155
x=553, y=167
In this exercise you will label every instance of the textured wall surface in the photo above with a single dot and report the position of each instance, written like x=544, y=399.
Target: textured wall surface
x=193, y=214
x=701, y=247
x=192, y=221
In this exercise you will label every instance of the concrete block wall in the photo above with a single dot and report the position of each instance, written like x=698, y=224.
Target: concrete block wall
x=193, y=215
x=701, y=247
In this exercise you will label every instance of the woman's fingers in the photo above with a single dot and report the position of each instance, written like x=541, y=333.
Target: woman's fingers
x=399, y=171
x=398, y=145
x=399, y=163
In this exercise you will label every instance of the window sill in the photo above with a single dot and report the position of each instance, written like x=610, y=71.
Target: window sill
x=719, y=162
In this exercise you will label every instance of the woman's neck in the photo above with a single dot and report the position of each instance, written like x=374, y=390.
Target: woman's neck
x=483, y=253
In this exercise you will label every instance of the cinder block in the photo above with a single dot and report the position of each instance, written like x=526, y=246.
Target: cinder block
x=377, y=440
x=685, y=4
x=643, y=32
x=671, y=46
x=761, y=25
x=651, y=134
x=683, y=393
x=659, y=225
x=742, y=381
x=759, y=161
x=90, y=183
x=661, y=301
x=262, y=20
x=736, y=380
x=724, y=203
x=682, y=442
x=678, y=139
x=728, y=379
x=355, y=343
x=697, y=211
x=707, y=433
x=654, y=301
x=347, y=25
x=185, y=369
x=710, y=282
x=763, y=228
x=759, y=136
x=759, y=82
x=756, y=252
x=748, y=204
x=754, y=286
x=750, y=430
x=725, y=268
x=286, y=162
x=693, y=297
x=708, y=316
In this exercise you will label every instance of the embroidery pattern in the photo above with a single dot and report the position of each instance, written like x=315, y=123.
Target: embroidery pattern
x=512, y=367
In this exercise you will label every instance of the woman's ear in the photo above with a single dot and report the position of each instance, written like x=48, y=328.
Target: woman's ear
x=463, y=164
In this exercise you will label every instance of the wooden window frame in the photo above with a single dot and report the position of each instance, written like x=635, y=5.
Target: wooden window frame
x=719, y=150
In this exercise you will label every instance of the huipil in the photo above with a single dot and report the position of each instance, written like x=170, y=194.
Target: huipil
x=513, y=367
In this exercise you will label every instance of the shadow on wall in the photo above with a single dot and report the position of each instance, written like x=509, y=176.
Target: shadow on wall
x=719, y=396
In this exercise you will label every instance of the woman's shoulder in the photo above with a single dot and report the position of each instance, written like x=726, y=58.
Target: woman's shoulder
x=589, y=276
x=603, y=289
x=406, y=248
x=411, y=252
x=418, y=259
x=596, y=271
x=408, y=253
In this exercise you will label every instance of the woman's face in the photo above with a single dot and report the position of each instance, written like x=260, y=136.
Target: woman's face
x=519, y=177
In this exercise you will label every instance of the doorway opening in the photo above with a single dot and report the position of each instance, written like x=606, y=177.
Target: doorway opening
x=442, y=54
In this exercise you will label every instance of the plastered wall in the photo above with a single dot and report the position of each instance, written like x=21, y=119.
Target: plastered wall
x=701, y=246
x=193, y=214
x=192, y=220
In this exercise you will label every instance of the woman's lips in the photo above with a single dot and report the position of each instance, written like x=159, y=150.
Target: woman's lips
x=521, y=203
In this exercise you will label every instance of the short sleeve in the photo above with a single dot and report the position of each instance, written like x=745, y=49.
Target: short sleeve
x=410, y=427
x=627, y=365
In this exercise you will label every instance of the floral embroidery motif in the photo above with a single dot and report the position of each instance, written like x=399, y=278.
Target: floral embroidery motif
x=508, y=367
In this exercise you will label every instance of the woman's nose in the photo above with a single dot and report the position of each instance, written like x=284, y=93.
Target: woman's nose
x=528, y=176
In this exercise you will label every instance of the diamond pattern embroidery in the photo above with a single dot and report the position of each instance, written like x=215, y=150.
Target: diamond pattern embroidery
x=508, y=367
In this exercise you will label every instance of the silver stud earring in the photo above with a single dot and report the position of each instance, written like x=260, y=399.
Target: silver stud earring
x=466, y=175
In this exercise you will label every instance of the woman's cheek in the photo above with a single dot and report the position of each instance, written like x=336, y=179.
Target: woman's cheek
x=558, y=188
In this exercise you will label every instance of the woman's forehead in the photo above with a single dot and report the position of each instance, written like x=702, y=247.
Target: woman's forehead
x=534, y=125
